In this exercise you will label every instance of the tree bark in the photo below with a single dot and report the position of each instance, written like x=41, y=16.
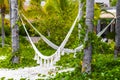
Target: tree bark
x=99, y=26
x=80, y=16
x=15, y=29
x=86, y=65
x=117, y=30
x=2, y=29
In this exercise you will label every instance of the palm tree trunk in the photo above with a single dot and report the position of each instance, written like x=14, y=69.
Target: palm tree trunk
x=98, y=26
x=117, y=30
x=14, y=28
x=2, y=30
x=80, y=16
x=86, y=65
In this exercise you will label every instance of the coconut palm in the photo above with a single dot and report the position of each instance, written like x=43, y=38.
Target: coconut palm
x=4, y=10
x=117, y=30
x=86, y=65
x=14, y=28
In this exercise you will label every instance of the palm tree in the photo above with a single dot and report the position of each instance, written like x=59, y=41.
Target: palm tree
x=117, y=30
x=86, y=65
x=3, y=7
x=15, y=29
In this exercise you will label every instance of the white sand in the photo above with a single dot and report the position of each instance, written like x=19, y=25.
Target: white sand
x=31, y=73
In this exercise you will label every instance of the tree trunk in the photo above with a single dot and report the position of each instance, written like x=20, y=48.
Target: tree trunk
x=2, y=29
x=98, y=26
x=117, y=30
x=86, y=65
x=15, y=29
x=80, y=16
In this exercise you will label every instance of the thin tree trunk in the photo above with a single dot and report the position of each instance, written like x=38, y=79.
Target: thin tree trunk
x=98, y=26
x=80, y=16
x=14, y=28
x=117, y=30
x=86, y=65
x=2, y=30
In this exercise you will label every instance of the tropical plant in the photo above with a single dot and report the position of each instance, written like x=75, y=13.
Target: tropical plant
x=53, y=19
x=4, y=9
x=113, y=2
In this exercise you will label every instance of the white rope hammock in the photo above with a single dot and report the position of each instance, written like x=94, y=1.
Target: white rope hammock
x=66, y=50
x=48, y=61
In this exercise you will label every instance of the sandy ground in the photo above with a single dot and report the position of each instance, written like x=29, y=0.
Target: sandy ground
x=28, y=73
x=31, y=73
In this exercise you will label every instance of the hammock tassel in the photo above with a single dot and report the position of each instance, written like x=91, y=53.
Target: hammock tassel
x=38, y=60
x=51, y=62
x=62, y=53
x=44, y=62
x=48, y=63
x=35, y=57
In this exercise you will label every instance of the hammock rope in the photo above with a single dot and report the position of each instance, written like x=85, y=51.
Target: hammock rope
x=100, y=33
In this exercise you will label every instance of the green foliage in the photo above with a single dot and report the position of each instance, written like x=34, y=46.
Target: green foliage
x=21, y=4
x=99, y=46
x=7, y=41
x=104, y=67
x=111, y=35
x=113, y=2
x=3, y=78
x=102, y=63
x=97, y=12
x=54, y=19
x=26, y=54
x=7, y=30
x=69, y=60
x=23, y=79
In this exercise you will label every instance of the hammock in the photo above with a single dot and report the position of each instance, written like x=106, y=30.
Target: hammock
x=49, y=60
x=66, y=50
